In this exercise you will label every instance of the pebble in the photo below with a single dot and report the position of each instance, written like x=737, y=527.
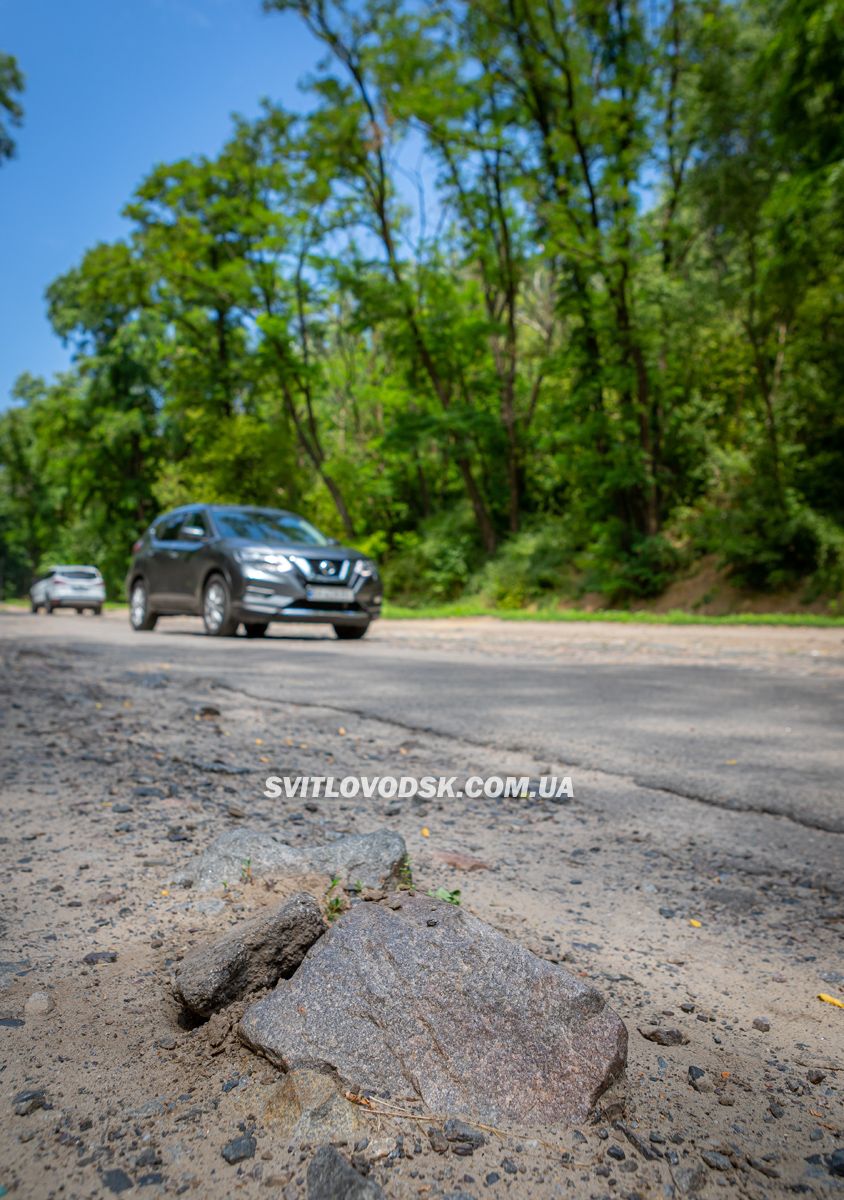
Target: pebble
x=836, y=1163
x=718, y=1162
x=39, y=1004
x=815, y=1076
x=100, y=956
x=27, y=1102
x=459, y=1131
x=664, y=1037
x=117, y=1181
x=438, y=1140
x=762, y=1024
x=239, y=1149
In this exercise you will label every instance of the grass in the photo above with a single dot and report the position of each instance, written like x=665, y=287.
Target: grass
x=476, y=608
x=618, y=616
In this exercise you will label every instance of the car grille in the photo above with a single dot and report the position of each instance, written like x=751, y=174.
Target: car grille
x=323, y=570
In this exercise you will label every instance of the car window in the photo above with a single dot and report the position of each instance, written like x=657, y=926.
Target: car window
x=279, y=528
x=79, y=573
x=196, y=520
x=168, y=528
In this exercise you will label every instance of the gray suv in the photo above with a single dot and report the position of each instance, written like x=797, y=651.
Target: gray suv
x=235, y=565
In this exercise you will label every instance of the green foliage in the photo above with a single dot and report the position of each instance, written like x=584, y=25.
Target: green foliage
x=601, y=337
x=437, y=561
x=11, y=112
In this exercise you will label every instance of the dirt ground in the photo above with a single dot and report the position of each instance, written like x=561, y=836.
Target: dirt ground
x=112, y=780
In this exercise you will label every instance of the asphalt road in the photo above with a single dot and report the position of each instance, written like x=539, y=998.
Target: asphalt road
x=742, y=718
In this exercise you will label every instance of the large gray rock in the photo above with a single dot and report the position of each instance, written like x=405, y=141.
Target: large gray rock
x=253, y=955
x=371, y=859
x=428, y=1001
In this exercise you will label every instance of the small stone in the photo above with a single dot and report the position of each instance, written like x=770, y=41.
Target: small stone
x=459, y=1131
x=168, y=1042
x=762, y=1024
x=332, y=1177
x=836, y=1163
x=492, y=1177
x=438, y=1140
x=616, y=1152
x=238, y=1149
x=664, y=1037
x=690, y=1179
x=762, y=1167
x=509, y=1166
x=716, y=1161
x=27, y=1102
x=117, y=1181
x=815, y=1076
x=100, y=956
x=39, y=1004
x=776, y=1110
x=250, y=957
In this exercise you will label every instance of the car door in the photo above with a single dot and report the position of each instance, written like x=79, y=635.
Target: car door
x=164, y=542
x=188, y=560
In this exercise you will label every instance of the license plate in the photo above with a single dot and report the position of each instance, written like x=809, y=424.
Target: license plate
x=337, y=595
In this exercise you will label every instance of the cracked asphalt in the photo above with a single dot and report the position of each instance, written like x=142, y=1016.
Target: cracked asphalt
x=745, y=718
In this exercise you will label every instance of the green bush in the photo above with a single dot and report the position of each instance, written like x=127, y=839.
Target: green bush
x=528, y=567
x=435, y=563
x=770, y=543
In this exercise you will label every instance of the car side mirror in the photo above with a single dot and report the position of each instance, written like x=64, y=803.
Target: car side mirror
x=193, y=533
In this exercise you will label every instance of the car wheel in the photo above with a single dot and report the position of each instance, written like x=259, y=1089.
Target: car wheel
x=33, y=607
x=256, y=629
x=348, y=633
x=48, y=609
x=216, y=608
x=98, y=612
x=141, y=617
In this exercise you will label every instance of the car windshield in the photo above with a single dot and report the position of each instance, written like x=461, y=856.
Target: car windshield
x=77, y=572
x=274, y=528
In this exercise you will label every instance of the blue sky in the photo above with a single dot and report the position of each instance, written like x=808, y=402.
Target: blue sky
x=113, y=87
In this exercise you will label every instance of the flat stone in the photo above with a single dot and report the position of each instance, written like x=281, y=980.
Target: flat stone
x=368, y=859
x=454, y=1013
x=332, y=1177
x=253, y=955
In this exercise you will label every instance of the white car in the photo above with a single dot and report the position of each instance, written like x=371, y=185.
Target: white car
x=68, y=587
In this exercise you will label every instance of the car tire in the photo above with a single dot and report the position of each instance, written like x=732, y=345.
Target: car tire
x=349, y=633
x=141, y=616
x=33, y=607
x=48, y=609
x=255, y=629
x=216, y=608
x=98, y=612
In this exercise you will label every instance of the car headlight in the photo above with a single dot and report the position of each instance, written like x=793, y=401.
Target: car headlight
x=365, y=568
x=264, y=558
